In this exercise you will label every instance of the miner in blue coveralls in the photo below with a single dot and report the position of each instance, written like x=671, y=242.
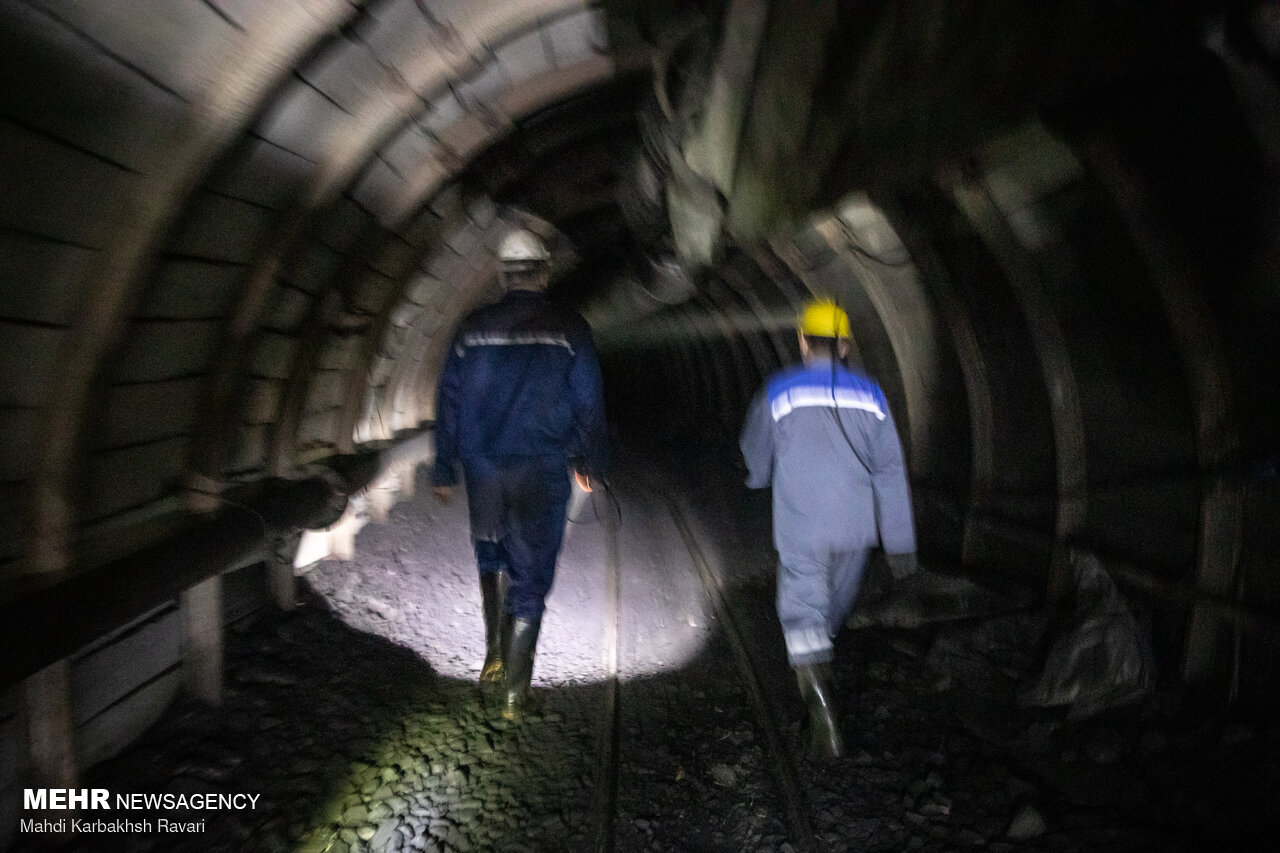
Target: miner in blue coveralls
x=519, y=403
x=822, y=436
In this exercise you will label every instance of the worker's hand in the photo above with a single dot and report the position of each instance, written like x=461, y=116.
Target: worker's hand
x=902, y=566
x=583, y=481
x=442, y=494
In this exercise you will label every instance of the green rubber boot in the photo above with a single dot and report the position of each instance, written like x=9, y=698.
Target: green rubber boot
x=814, y=680
x=522, y=640
x=493, y=592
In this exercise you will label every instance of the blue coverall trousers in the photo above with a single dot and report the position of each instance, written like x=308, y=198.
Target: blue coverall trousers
x=816, y=591
x=517, y=507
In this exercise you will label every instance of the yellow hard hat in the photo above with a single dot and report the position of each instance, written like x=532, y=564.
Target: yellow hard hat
x=823, y=318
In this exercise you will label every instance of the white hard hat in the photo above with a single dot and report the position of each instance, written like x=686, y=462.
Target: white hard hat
x=522, y=246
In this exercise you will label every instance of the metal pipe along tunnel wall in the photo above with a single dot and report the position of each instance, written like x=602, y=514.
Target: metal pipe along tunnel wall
x=234, y=247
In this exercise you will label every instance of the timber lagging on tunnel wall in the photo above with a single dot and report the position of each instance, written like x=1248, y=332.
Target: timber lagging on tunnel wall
x=237, y=270
x=307, y=212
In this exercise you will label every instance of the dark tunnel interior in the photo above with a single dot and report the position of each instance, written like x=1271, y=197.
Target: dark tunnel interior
x=237, y=237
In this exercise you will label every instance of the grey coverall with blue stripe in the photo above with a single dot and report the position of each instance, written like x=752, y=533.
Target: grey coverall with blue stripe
x=836, y=493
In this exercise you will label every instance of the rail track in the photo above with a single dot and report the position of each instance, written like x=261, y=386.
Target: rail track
x=778, y=759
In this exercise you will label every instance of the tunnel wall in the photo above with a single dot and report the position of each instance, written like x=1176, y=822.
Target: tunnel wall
x=237, y=236
x=230, y=243
x=120, y=686
x=1080, y=394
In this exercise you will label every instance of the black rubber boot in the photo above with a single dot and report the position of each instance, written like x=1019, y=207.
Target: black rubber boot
x=522, y=640
x=825, y=740
x=493, y=592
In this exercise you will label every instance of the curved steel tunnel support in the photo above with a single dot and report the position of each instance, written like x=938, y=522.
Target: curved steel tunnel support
x=488, y=228
x=348, y=316
x=733, y=285
x=778, y=267
x=491, y=121
x=406, y=389
x=399, y=97
x=873, y=321
x=706, y=327
x=335, y=328
x=1056, y=369
x=1208, y=379
x=973, y=370
x=470, y=135
x=687, y=375
x=707, y=382
x=432, y=343
x=423, y=302
x=750, y=367
x=114, y=283
x=316, y=326
x=805, y=273
x=396, y=101
x=209, y=449
x=905, y=317
x=359, y=375
x=738, y=283
x=225, y=386
x=401, y=391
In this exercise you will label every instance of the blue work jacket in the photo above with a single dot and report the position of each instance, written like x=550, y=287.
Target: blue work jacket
x=521, y=380
x=838, y=485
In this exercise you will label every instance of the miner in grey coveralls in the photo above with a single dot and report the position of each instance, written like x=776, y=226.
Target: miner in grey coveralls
x=822, y=436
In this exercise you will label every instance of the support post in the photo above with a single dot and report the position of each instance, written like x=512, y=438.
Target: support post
x=408, y=479
x=202, y=624
x=282, y=583
x=51, y=727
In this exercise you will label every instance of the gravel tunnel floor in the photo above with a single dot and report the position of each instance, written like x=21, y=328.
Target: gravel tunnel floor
x=356, y=718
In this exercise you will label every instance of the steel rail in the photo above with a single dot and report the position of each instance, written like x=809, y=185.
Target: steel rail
x=606, y=794
x=784, y=771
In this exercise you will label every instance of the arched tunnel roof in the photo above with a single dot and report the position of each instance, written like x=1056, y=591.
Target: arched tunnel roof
x=237, y=236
